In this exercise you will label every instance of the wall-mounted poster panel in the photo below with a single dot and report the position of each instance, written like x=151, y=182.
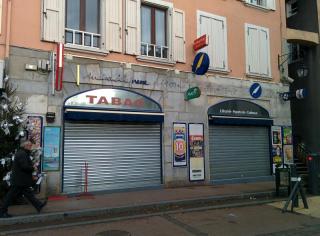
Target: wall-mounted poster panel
x=196, y=152
x=179, y=144
x=35, y=135
x=51, y=150
x=288, y=154
x=276, y=135
x=287, y=135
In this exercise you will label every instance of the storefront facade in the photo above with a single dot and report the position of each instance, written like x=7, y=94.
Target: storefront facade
x=123, y=107
x=120, y=121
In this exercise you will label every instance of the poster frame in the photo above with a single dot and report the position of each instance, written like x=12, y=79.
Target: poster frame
x=44, y=147
x=41, y=129
x=185, y=163
x=189, y=156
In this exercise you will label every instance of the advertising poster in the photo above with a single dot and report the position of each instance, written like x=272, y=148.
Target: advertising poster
x=287, y=135
x=196, y=152
x=35, y=135
x=288, y=154
x=179, y=144
x=276, y=156
x=276, y=135
x=51, y=150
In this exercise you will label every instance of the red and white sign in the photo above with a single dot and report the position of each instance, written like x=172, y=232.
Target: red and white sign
x=59, y=67
x=201, y=42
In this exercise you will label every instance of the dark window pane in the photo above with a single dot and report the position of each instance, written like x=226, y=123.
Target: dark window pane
x=68, y=37
x=92, y=16
x=160, y=28
x=158, y=51
x=164, y=52
x=151, y=50
x=78, y=38
x=146, y=24
x=143, y=49
x=87, y=40
x=96, y=41
x=73, y=14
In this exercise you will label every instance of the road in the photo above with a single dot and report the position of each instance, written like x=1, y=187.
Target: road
x=251, y=220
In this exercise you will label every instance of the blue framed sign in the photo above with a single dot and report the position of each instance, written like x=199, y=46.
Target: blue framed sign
x=201, y=63
x=51, y=149
x=255, y=90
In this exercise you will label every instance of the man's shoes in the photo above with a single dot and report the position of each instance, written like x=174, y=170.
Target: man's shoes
x=5, y=215
x=42, y=205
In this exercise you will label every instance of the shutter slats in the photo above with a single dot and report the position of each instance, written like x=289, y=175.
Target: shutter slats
x=238, y=152
x=119, y=156
x=52, y=20
x=179, y=36
x=257, y=50
x=133, y=27
x=215, y=28
x=114, y=25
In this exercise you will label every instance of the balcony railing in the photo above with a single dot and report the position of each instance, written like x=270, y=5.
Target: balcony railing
x=156, y=51
x=82, y=38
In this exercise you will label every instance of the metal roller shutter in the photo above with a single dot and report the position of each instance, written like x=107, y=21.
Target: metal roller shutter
x=239, y=153
x=119, y=156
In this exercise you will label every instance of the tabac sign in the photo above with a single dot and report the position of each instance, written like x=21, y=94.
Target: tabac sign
x=113, y=99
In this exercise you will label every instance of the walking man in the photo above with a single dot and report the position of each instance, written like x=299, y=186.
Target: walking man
x=21, y=180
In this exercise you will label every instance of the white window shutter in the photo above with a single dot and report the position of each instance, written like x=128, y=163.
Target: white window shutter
x=205, y=28
x=271, y=4
x=114, y=25
x=264, y=53
x=218, y=42
x=133, y=27
x=52, y=20
x=252, y=50
x=215, y=28
x=179, y=41
x=0, y=16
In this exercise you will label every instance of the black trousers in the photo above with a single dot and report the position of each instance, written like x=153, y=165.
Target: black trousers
x=14, y=191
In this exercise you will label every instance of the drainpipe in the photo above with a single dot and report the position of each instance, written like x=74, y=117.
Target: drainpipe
x=8, y=33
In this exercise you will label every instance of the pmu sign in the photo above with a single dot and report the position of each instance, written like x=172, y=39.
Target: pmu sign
x=201, y=63
x=200, y=42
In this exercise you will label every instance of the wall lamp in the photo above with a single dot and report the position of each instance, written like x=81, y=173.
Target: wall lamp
x=302, y=70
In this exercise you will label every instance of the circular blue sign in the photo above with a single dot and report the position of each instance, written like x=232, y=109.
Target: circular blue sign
x=255, y=90
x=201, y=63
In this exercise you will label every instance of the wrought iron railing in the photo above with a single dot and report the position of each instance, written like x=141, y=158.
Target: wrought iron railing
x=156, y=51
x=82, y=38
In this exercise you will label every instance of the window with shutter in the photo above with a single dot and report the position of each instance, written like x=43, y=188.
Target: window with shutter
x=156, y=36
x=216, y=29
x=82, y=25
x=154, y=42
x=257, y=51
x=269, y=4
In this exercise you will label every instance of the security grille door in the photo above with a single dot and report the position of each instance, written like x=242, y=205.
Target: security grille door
x=118, y=155
x=238, y=153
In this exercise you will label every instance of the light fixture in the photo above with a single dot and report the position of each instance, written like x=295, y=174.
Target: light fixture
x=302, y=71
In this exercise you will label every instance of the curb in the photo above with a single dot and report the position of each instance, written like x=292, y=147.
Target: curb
x=130, y=210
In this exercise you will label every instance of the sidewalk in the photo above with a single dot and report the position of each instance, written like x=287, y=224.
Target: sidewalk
x=144, y=199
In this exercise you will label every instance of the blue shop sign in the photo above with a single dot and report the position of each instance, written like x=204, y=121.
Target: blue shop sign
x=201, y=63
x=255, y=90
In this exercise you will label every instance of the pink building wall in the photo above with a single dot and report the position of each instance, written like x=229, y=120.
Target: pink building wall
x=26, y=31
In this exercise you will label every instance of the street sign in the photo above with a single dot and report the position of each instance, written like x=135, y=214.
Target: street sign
x=201, y=63
x=201, y=42
x=192, y=93
x=255, y=90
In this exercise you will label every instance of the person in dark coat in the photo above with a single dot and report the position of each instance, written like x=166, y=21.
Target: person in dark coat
x=21, y=180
